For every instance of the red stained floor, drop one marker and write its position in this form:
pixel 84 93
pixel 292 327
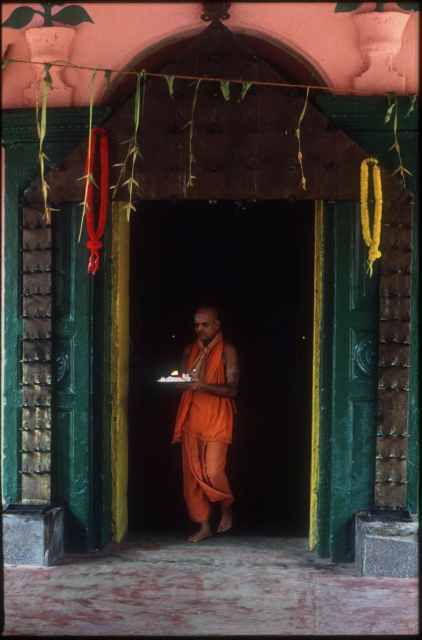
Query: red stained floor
pixel 229 585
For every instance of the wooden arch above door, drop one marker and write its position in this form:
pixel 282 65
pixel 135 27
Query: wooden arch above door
pixel 248 150
pixel 242 148
pixel 288 64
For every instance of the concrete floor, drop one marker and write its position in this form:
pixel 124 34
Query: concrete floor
pixel 228 585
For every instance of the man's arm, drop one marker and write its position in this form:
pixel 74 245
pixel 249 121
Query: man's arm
pixel 231 365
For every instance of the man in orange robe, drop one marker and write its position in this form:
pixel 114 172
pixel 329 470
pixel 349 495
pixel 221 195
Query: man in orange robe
pixel 204 422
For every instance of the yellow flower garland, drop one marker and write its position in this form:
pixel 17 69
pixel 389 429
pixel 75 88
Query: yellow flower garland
pixel 372 242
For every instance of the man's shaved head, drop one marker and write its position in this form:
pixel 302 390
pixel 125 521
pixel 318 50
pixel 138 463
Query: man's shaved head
pixel 206 323
pixel 209 309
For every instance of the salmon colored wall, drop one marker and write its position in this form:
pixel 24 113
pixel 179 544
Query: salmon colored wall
pixel 122 31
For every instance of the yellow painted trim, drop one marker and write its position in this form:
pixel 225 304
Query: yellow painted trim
pixel 119 369
pixel 318 280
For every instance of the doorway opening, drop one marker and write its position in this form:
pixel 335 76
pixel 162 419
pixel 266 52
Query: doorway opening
pixel 255 261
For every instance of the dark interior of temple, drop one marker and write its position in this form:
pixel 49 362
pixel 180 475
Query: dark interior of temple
pixel 254 260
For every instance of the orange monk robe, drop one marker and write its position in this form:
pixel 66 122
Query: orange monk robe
pixel 204 424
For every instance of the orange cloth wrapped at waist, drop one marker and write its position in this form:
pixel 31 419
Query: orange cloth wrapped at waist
pixel 205 415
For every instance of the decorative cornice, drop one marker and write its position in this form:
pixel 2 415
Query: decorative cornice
pixel 63 124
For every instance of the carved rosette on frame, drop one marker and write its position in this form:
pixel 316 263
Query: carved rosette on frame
pixel 36 358
pixel 394 356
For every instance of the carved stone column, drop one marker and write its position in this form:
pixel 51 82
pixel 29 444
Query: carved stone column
pixel 33 522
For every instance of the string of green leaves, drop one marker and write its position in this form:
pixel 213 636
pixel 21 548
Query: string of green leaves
pixel 298 136
pixel 393 113
pixel 41 122
pixel 133 149
pixel 191 159
pixel 89 178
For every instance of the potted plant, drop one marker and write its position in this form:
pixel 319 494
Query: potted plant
pixel 49 42
pixel 380 33
pixel 379 6
pixel 72 15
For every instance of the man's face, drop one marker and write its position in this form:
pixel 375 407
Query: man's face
pixel 206 325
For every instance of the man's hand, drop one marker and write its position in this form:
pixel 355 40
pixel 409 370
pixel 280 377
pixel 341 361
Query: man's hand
pixel 228 390
pixel 194 376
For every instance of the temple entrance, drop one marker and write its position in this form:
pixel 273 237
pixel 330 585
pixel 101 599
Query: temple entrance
pixel 255 261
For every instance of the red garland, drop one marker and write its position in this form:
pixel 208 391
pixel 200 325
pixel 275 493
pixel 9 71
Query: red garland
pixel 94 243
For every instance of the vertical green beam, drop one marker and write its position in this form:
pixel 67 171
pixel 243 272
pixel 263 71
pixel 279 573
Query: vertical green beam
pixel 316 382
pixel 82 491
pixel 20 168
pixel 324 485
pixel 12 333
pixel 342 435
pixel 65 128
pixel 102 401
pixel 413 495
pixel 73 437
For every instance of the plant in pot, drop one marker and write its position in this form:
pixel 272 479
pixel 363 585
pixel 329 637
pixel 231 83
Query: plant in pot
pixel 72 15
pixel 380 30
pixel 379 6
pixel 49 42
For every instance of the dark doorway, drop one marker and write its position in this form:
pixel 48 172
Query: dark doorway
pixel 255 261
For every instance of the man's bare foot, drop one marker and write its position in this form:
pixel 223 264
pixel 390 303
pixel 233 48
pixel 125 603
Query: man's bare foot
pixel 226 520
pixel 204 532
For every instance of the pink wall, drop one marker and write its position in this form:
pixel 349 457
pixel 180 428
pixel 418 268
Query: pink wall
pixel 122 31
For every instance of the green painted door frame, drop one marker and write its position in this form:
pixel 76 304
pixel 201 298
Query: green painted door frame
pixel 78 463
pixel 348 381
pixel 362 119
pixel 342 494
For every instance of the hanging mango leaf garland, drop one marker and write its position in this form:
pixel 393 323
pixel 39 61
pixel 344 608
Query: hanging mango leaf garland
pixel 89 178
pixel 392 112
pixel 245 88
pixel 191 177
pixel 411 106
pixel 298 134
pixel 133 151
pixel 170 85
pixel 41 120
pixel 225 89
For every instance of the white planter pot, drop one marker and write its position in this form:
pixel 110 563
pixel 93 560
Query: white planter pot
pixel 50 44
pixel 380 39
pixel 381 30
